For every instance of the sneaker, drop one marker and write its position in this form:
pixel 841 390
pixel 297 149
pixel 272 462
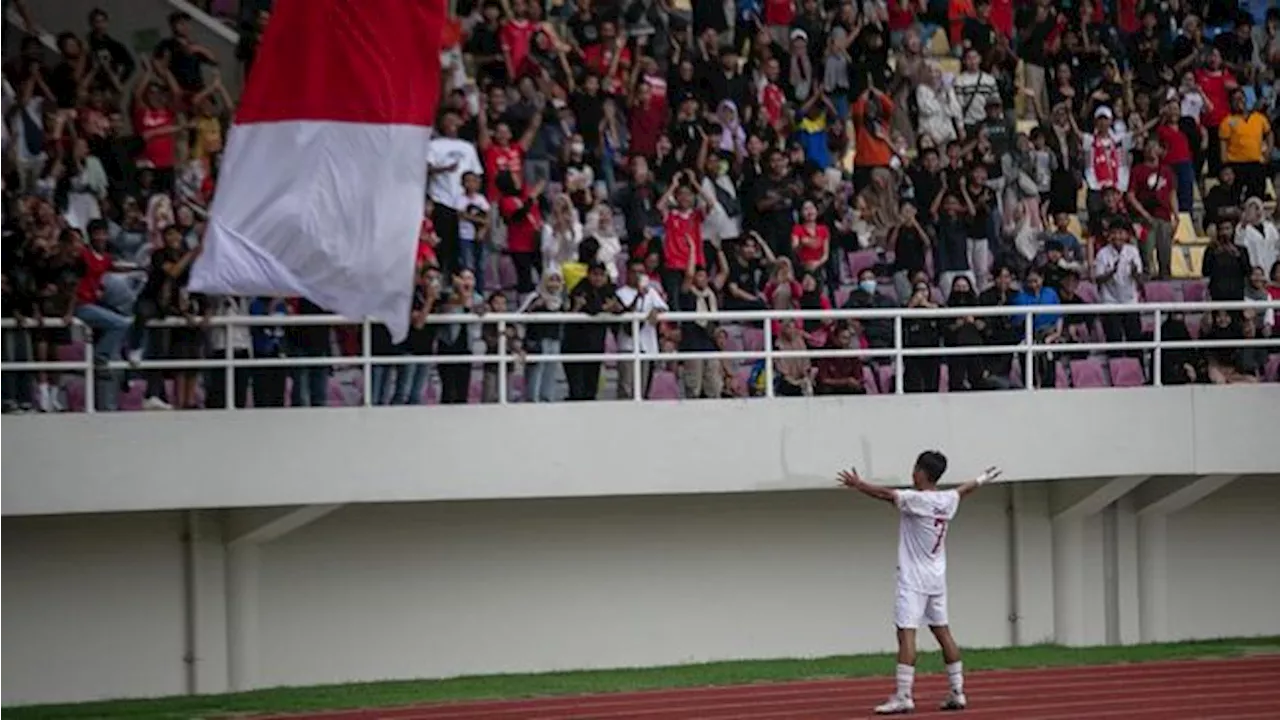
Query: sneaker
pixel 955 701
pixel 155 403
pixel 44 399
pixel 134 357
pixel 896 706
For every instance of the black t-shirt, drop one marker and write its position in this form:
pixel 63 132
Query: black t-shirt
pixel 184 64
pixel 588 110
pixel 747 275
pixel 979 35
pixel 926 187
pixel 585 30
pixel 909 254
pixel 775 223
pixel 984 201
pixel 62 81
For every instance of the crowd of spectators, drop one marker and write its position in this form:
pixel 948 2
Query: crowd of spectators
pixel 640 156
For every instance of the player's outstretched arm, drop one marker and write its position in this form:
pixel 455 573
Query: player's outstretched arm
pixel 849 478
pixel 987 476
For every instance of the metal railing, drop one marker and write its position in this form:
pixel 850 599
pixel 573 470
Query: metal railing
pixel 1027 348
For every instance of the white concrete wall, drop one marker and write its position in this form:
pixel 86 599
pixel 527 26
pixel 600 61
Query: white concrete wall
pixel 93 604
pixel 118 462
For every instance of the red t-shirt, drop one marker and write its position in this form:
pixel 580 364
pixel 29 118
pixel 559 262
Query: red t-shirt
pixel 516 36
pixel 522 235
pixel 810 246
pixel 498 159
pixel 1176 148
pixel 779 12
pixel 96 264
pixel 901 14
pixel 159 150
pixel 1214 85
pixel 646 125
pixel 679 227
pixel 599 57
pixel 772 100
pixel 1153 186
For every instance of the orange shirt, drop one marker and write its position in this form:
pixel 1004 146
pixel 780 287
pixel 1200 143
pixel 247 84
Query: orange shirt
pixel 872 151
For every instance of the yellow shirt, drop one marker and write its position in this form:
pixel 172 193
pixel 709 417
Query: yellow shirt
pixel 1241 137
pixel 573 273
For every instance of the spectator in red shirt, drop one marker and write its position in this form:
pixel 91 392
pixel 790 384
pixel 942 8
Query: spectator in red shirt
pixel 516 37
pixel 156 122
pixel 1152 197
pixel 109 326
pixel 519 209
pixel 610 58
pixel 500 154
pixel 811 242
pixel 682 230
pixel 1177 154
pixel 1216 83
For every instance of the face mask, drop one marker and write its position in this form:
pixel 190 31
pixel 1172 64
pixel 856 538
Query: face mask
pixel 868 286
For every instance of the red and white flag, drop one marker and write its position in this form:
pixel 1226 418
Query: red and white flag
pixel 323 183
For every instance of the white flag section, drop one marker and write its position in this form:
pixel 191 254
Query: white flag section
pixel 323 183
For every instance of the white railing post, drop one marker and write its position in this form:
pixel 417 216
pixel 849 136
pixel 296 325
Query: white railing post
pixel 90 372
pixel 1029 363
pixel 637 380
pixel 1157 356
pixel 502 362
pixel 228 354
pixel 768 358
pixel 366 354
pixel 899 362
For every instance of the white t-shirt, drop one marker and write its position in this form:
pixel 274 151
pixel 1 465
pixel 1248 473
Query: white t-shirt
pixel 445 188
pixel 1121 287
pixel 922 533
pixel 651 300
pixel 467 230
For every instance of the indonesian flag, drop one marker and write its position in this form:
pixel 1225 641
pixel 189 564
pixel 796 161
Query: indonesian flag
pixel 323 183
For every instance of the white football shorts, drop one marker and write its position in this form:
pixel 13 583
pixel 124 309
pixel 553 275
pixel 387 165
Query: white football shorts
pixel 912 606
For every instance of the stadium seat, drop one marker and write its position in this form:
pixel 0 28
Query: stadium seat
pixel 886 379
pixel 71 352
pixel 1272 371
pixel 944 378
pixel 1185 232
pixel 869 380
pixel 1188 261
pixel 861 260
pixel 1195 291
pixel 1126 372
pixel 1160 291
pixel 842 296
pixel 1088 373
pixel 664 386
pixel 940 48
pixel 752 339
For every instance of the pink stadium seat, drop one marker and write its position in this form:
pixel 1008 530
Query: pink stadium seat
pixel 740 378
pixel 885 376
pixel 1060 375
pixel 334 394
pixel 74 387
pixel 492 279
pixel 71 352
pixel 869 380
pixel 752 339
pixel 944 378
pixel 1088 373
pixel 664 386
pixel 1195 291
pixel 733 342
pixel 506 272
pixel 861 260
pixel 1088 292
pixel 131 399
pixel 1126 372
pixel 475 391
pixel 1272 372
pixel 842 296
pixel 1160 291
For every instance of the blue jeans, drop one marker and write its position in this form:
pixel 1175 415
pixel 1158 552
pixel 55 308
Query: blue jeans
pixel 310 384
pixel 17 385
pixel 109 329
pixel 1185 173
pixel 471 256
pixel 410 381
pixel 540 378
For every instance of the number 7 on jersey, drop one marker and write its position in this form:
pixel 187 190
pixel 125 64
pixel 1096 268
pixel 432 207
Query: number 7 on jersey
pixel 941 524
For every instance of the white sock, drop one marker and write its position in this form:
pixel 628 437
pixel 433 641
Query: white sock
pixel 906 678
pixel 955 673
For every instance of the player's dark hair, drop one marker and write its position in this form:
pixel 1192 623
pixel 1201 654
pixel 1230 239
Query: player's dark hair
pixel 933 464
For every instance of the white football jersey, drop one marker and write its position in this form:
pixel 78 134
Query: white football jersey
pixel 922 536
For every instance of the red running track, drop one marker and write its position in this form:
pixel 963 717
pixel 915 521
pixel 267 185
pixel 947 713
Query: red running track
pixel 1237 689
